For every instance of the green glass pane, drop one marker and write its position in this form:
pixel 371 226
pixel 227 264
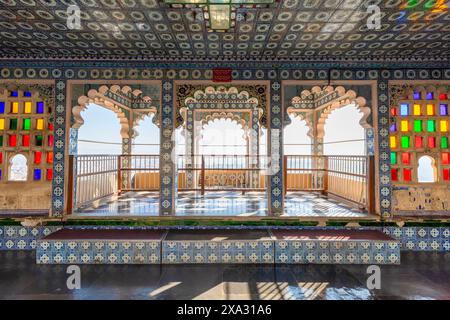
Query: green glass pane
pixel 26 124
pixel 405 142
pixel 418 125
pixel 1 141
pixel 39 140
pixel 431 125
pixel 393 158
pixel 444 142
pixel 13 124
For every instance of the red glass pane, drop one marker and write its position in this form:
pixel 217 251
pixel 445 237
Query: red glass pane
pixel 13 140
pixel 443 96
pixel 431 142
pixel 49 174
pixel 51 140
pixel 50 157
pixel 446 174
pixel 418 142
pixel 394 174
pixel 26 140
pixel 50 126
pixel 407 174
pixel 1 157
pixel 38 157
pixel 445 158
pixel 393 111
pixel 405 158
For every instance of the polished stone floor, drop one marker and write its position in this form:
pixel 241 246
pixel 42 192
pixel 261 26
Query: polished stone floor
pixel 222 203
pixel 421 275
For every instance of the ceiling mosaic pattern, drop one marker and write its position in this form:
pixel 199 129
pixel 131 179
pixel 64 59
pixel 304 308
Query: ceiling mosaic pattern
pixel 285 29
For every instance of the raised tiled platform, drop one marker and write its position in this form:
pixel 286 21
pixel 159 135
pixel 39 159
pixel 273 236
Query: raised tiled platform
pixel 218 246
pixel 335 247
pixel 205 246
pixel 101 247
pixel 23 238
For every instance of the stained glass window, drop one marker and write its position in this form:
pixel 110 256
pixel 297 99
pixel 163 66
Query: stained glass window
pixel 419 138
pixel 26 132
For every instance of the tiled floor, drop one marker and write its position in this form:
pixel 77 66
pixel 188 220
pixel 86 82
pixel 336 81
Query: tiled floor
pixel 310 204
pixel 222 203
pixel 420 276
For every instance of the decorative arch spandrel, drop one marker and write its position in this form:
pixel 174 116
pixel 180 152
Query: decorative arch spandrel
pixel 120 100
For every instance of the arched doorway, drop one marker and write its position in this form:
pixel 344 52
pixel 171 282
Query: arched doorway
pixel 115 154
pixel 327 171
pixel 220 171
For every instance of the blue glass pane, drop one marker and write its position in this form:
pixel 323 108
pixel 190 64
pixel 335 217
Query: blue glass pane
pixel 404 109
pixel 417 95
pixel 27 94
pixel 14 94
pixel 430 96
pixel 393 127
pixel 37 174
pixel 2 107
pixel 40 107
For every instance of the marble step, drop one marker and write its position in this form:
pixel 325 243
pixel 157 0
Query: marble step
pixel 227 246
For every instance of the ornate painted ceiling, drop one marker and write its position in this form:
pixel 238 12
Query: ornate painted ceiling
pixel 285 29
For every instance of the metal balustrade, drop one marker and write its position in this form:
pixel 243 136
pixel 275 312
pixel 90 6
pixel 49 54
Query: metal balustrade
pixel 94 177
pixel 347 177
pixel 222 172
pixel 138 173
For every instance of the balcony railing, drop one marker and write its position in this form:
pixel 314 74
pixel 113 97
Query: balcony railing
pixel 138 173
pixel 347 177
pixel 222 172
pixel 94 177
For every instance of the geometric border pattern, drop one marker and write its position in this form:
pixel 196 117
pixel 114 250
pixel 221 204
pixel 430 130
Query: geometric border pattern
pixel 411 238
pixel 98 252
pixel 337 252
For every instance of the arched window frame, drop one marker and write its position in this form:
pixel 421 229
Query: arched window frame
pixel 433 167
pixel 10 165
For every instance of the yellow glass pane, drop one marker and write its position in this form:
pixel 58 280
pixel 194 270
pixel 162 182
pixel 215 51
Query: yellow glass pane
pixel 404 126
pixel 417 111
pixel 393 142
pixel 430 109
pixel 444 126
pixel 40 124
pixel 2 124
pixel 15 107
pixel 27 107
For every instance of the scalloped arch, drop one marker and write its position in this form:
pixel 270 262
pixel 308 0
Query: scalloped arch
pixel 98 97
pixel 221 95
pixel 343 99
pixel 225 115
pixel 308 120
